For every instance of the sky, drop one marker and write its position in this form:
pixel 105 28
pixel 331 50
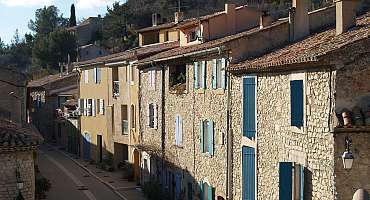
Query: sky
pixel 15 14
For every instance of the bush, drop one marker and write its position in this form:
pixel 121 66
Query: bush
pixel 153 191
pixel 42 185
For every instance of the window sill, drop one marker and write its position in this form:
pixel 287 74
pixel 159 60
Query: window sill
pixel 219 91
pixel 296 129
pixel 178 146
pixel 200 91
pixel 207 154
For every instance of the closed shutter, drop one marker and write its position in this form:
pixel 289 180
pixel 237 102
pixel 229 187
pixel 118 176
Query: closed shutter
pixel 178 185
pixel 190 191
pixel 201 133
pixel 211 137
pixel 296 102
pixel 196 81
pixel 285 180
pixel 93 107
pixel 94 75
pixel 101 106
pixel 223 73
pixel 214 74
pixel 98 75
pixel 249 107
pixel 89 107
pixel 204 77
pixel 155 116
pixel 248 173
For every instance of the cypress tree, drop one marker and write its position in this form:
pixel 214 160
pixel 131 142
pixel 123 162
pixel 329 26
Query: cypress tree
pixel 72 19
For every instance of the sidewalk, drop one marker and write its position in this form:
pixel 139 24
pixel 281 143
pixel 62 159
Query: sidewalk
pixel 126 190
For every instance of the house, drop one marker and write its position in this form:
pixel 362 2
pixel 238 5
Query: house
pixel 109 105
pixel 290 110
pixel 45 96
pixel 91 51
pixel 18 143
pixel 87 31
pixel 184 107
pixel 13 87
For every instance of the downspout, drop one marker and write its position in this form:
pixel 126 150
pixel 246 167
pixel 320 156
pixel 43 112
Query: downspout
pixel 229 172
pixel 163 116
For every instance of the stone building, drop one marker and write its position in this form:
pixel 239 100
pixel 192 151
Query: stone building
pixel 18 143
pixel 285 111
pixel 88 30
pixel 13 87
pixel 45 96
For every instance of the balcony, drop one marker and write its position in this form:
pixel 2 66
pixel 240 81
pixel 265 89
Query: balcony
pixel 115 88
pixel 124 127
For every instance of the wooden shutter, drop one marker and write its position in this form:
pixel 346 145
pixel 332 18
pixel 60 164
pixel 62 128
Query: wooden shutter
pixel 79 106
pixel 210 193
pixel 196 81
pixel 248 173
pixel 148 114
pixel 85 107
pixel 211 137
pixel 249 107
pixel 155 115
pixel 94 75
pixel 190 191
pixel 180 130
pixel 296 102
pixel 214 74
pixel 93 107
pixel 285 180
pixel 101 106
pixel 301 192
pixel 177 127
pixel 223 73
pixel 204 77
pixel 201 194
pixel 178 185
pixel 86 75
pixel 201 133
pixel 98 75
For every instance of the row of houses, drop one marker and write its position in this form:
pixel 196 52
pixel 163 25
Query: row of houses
pixel 236 104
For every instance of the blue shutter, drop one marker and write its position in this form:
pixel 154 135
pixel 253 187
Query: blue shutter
pixel 301 183
pixel 211 137
pixel 296 102
pixel 248 173
pixel 178 185
pixel 210 193
pixel 249 107
pixel 201 133
pixel 223 73
pixel 204 78
pixel 196 86
pixel 285 180
pixel 214 74
pixel 201 195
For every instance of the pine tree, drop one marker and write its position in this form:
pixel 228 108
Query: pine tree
pixel 72 19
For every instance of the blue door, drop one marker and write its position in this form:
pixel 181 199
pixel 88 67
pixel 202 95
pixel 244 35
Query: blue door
pixel 249 180
pixel 86 146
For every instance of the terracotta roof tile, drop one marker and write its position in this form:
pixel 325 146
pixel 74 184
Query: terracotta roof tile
pixel 158 27
pixel 49 79
pixel 309 49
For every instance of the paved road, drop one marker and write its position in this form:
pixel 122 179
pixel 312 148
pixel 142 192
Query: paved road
pixel 67 179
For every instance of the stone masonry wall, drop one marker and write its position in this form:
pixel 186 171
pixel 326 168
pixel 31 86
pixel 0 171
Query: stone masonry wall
pixel 278 141
pixel 9 162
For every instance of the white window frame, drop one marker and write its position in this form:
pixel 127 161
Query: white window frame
pixel 152 79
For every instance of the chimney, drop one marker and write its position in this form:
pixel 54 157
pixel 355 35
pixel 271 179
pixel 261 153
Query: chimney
pixel 156 19
pixel 265 20
pixel 231 17
pixel 345 15
pixel 179 16
pixel 299 26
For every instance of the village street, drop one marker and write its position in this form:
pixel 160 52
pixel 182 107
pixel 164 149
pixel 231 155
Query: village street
pixel 67 178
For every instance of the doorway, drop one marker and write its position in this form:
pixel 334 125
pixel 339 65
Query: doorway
pixel 100 148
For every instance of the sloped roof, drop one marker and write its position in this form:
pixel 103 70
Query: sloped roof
pixel 310 49
pixel 136 53
pixel 49 79
pixel 158 27
pixel 14 136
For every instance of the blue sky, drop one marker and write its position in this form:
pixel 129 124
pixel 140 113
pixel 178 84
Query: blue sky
pixel 15 14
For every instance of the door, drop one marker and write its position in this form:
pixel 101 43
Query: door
pixel 86 146
pixel 249 180
pixel 136 166
pixel 100 148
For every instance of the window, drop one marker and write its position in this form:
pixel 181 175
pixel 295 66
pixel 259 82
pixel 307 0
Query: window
pixel 218 73
pixel 81 106
pixel 89 107
pixel 86 75
pixel 115 83
pixel 249 107
pixel 152 115
pixel 100 106
pixel 200 75
pixel 97 75
pixel 152 80
pixel 177 79
pixel 248 173
pixel 178 130
pixel 124 119
pixel 207 192
pixel 291 181
pixel 296 102
pixel 166 36
pixel 193 35
pixel 207 137
pixel 132 75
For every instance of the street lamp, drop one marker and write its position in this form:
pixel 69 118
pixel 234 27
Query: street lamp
pixel 347 156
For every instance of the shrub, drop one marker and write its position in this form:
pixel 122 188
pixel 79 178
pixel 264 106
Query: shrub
pixel 153 190
pixel 42 185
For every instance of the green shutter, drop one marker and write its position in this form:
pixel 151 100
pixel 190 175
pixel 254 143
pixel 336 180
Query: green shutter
pixel 201 133
pixel 196 86
pixel 214 74
pixel 204 77
pixel 211 137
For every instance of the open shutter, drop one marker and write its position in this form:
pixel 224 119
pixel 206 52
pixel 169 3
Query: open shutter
pixel 98 75
pixel 211 137
pixel 85 107
pixel 201 133
pixel 94 75
pixel 180 130
pixel 223 73
pixel 148 114
pixel 93 107
pixel 177 130
pixel 196 81
pixel 201 194
pixel 285 180
pixel 248 173
pixel 210 193
pixel 79 106
pixel 155 116
pixel 296 102
pixel 214 74
pixel 101 106
pixel 301 182
pixel 86 75
pixel 249 107
pixel 204 78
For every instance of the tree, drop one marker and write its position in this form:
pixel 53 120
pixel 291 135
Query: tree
pixel 72 19
pixel 47 19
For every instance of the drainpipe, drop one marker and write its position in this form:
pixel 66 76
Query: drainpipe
pixel 229 173
pixel 163 116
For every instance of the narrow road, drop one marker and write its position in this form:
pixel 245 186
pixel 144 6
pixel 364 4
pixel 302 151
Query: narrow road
pixel 69 181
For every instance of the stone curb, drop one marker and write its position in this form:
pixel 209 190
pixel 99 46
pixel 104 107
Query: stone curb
pixel 111 187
